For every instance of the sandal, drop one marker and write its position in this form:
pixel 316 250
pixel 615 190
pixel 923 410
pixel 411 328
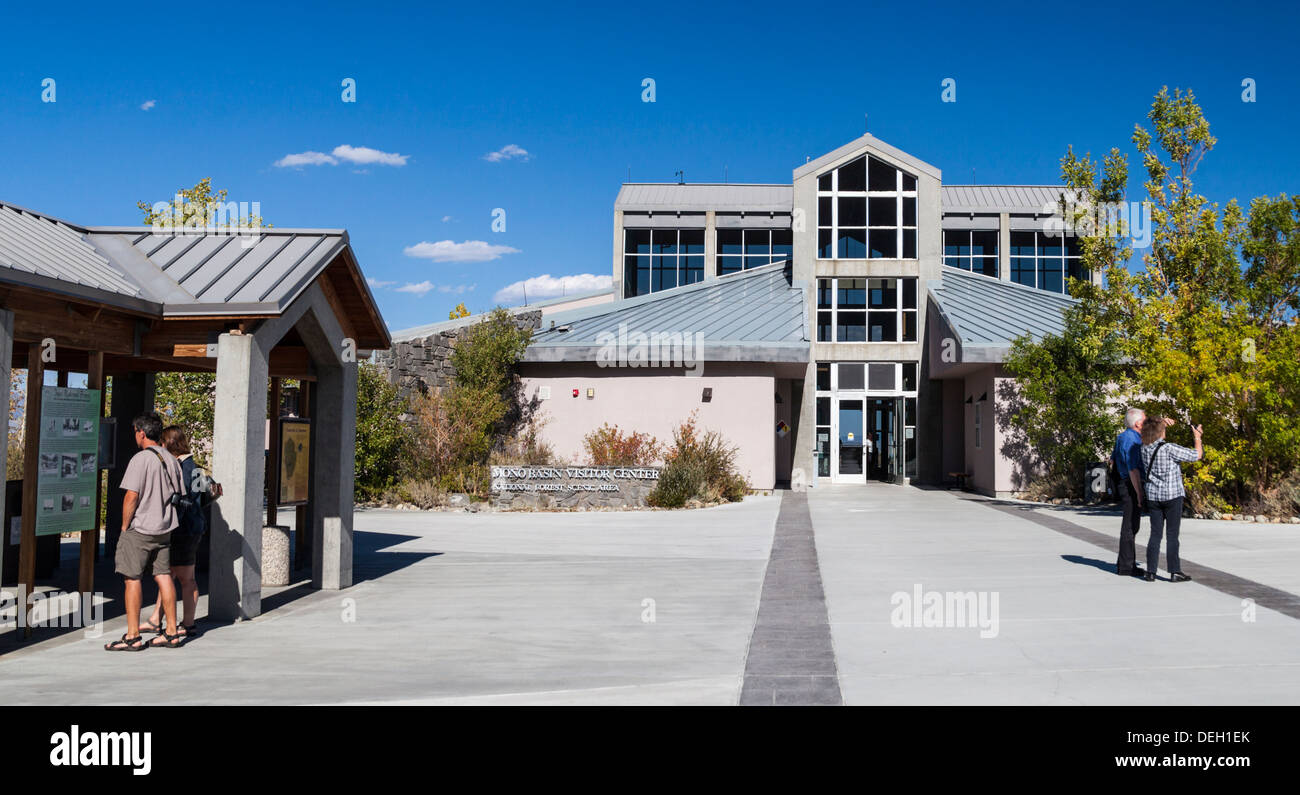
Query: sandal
pixel 168 641
pixel 192 631
pixel 126 644
pixel 150 626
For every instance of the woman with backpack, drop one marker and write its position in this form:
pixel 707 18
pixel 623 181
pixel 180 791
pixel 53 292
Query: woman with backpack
pixel 200 491
pixel 1164 492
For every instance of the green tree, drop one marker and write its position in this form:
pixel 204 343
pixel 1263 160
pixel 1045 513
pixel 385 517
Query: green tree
pixel 201 206
pixel 382 439
pixel 459 312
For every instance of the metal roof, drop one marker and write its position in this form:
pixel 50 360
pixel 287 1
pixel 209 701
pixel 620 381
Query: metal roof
pixel 1001 198
pixel 39 246
pixel 868 143
pixel 985 311
pixel 429 329
pixel 261 272
pixel 187 273
pixel 652 197
pixel 754 315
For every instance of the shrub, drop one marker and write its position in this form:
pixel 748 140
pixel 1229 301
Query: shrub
pixel 700 465
pixel 420 493
pixel 609 446
pixel 382 439
pixel 679 481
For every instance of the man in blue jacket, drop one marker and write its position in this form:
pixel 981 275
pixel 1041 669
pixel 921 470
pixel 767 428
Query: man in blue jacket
pixel 1127 462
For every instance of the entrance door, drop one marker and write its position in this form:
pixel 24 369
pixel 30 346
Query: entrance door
pixel 885 431
pixel 850 465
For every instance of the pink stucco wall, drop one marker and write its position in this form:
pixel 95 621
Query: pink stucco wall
pixel 742 408
pixel 991 471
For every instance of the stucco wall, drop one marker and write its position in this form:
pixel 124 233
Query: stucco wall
pixel 742 408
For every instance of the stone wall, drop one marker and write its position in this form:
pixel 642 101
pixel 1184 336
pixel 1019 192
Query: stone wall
pixel 518 487
pixel 419 365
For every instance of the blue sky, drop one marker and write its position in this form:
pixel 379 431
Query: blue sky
pixel 753 89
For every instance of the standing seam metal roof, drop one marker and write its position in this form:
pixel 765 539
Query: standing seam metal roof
pixel 1001 198
pixel 758 306
pixel 652 197
pixel 988 311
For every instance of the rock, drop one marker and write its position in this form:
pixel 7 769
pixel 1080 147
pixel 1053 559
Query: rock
pixel 458 500
pixel 1227 516
pixel 1247 518
pixel 1214 515
pixel 1295 520
pixel 1261 518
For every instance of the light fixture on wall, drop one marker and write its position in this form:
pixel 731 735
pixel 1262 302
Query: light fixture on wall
pixel 984 397
pixel 970 399
pixel 575 392
pixel 591 393
pixel 707 397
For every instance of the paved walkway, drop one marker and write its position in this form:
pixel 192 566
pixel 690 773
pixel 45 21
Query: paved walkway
pixel 793 598
pixel 1069 631
pixel 790 656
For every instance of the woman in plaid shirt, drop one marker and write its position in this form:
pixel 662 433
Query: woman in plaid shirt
pixel 1164 491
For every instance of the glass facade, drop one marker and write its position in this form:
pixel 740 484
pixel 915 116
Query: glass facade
pixel 1044 261
pixel 742 249
pixel 974 250
pixel 866 310
pixel 857 401
pixel 659 259
pixel 866 209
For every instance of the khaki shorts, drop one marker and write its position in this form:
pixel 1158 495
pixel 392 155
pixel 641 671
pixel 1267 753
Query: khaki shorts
pixel 139 554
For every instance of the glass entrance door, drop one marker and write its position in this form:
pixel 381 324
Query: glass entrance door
pixel 885 439
pixel 850 447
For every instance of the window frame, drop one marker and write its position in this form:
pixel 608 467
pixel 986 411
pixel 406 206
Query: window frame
pixel 681 258
pixel 867 195
pixel 830 285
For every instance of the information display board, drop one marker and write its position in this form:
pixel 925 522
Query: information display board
pixel 69 468
pixel 295 461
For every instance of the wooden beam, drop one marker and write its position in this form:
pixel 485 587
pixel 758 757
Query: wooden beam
pixel 31 472
pixel 336 306
pixel 302 542
pixel 38 316
pixel 90 538
pixel 273 454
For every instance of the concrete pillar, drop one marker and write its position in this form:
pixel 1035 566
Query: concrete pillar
pixel 1004 247
pixel 334 428
pixel 618 255
pixel 6 369
pixel 239 465
pixel 710 245
pixel 133 394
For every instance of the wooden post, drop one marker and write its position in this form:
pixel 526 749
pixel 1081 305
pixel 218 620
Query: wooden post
pixel 90 538
pixel 31 472
pixel 303 531
pixel 273 457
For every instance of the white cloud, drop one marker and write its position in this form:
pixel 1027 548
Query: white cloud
pixel 459 289
pixel 450 251
pixel 378 285
pixel 419 288
pixel 446 218
pixel 548 286
pixel 149 104
pixel 507 152
pixel 365 155
pixel 305 159
pixel 357 155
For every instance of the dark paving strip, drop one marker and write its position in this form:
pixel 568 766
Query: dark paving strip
pixel 1283 602
pixel 791 661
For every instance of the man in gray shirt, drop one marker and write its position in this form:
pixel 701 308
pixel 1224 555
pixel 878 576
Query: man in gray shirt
pixel 148 518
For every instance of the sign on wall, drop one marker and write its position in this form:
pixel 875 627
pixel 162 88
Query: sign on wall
pixel 68 475
pixel 295 461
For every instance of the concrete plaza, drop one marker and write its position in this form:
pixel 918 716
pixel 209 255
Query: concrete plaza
pixel 700 607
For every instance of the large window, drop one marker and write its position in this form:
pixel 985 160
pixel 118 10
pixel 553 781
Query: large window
pixel 742 249
pixel 1043 261
pixel 866 310
pixel 971 250
pixel 866 210
pixel 657 259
